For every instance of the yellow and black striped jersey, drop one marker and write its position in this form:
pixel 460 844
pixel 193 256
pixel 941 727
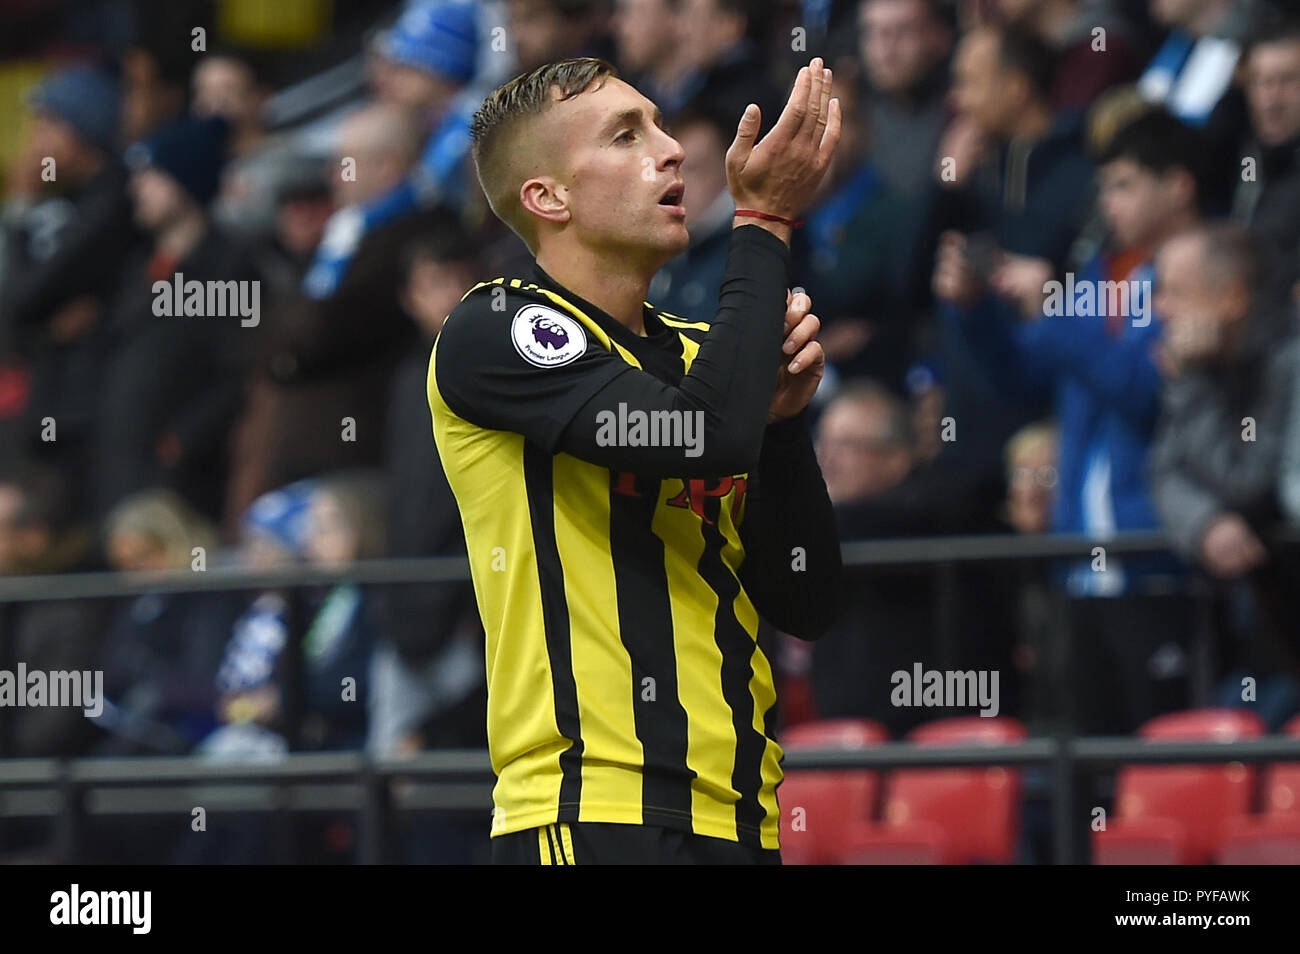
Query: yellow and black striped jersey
pixel 617 556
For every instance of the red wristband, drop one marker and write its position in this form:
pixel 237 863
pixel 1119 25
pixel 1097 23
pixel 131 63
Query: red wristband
pixel 793 223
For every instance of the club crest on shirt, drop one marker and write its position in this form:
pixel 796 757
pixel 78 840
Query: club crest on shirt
pixel 547 338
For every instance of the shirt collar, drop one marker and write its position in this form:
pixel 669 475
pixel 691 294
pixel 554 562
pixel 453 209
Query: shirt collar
pixel 611 325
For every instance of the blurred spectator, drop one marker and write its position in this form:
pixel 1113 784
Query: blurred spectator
pixel 162 649
pixel 318 397
pixel 428 674
pixel 302 206
pixel 1230 355
pixel 926 395
pixel 866 449
pixel 1088 62
pixel 1008 162
pixel 1014 178
pixel 272 534
pixel 345 523
pixel 647 53
pixel 1041 656
pixel 155 73
pixel 1032 478
pixel 228 85
pixel 328 523
pixel 67 233
pixel 38 534
pixel 424 64
pixel 722 61
pixel 173 374
pixel 1268 170
pixel 688 286
pixel 542 31
pixel 904 46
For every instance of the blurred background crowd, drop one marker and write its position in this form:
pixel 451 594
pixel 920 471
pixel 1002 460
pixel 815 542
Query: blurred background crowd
pixel 321 149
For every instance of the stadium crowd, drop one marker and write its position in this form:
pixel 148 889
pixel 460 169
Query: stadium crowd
pixel 1056 263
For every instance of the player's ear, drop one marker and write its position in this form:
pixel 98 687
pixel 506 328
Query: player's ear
pixel 541 197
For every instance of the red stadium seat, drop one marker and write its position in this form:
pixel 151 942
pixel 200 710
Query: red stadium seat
pixel 831 800
pixel 1273 836
pixel 1177 814
pixel 1272 839
pixel 947 816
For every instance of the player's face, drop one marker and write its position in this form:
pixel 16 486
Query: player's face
pixel 623 183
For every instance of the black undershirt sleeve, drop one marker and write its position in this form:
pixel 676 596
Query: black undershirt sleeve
pixel 792 569
pixel 729 386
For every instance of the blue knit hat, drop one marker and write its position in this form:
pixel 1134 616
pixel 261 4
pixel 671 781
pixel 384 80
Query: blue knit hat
pixel 191 150
pixel 85 99
pixel 437 37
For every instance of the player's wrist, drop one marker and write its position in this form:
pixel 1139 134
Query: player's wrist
pixel 779 229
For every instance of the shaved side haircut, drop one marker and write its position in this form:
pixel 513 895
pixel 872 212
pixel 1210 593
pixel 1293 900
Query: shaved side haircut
pixel 507 151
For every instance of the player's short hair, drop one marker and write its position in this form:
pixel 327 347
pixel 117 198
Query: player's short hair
pixel 499 128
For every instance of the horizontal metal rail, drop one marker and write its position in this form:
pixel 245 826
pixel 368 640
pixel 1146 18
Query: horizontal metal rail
pixel 474 764
pixel 856 553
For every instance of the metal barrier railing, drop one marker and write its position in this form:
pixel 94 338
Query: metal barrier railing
pixel 460 781
pixel 933 551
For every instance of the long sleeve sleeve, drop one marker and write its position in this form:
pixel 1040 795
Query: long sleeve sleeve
pixel 730 384
pixel 792 569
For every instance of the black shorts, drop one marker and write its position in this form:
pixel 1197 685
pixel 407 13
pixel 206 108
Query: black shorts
pixel 601 843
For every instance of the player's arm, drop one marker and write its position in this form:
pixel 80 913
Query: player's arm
pixel 573 404
pixel 792 569
pixel 726 394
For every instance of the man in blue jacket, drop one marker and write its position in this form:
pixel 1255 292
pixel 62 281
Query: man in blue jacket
pixel 1087 343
